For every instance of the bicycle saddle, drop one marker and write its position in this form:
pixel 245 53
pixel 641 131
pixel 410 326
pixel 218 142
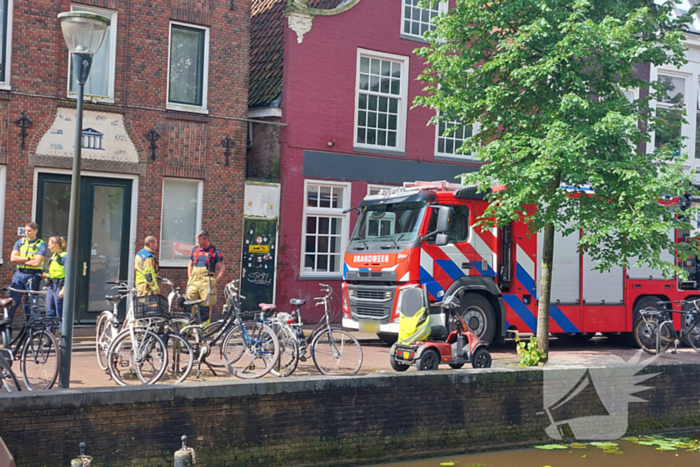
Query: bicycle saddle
pixel 193 302
pixel 297 301
pixel 267 306
pixel 6 302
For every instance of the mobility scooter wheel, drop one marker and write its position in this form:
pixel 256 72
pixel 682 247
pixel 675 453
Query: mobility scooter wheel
pixel 481 358
pixel 396 365
pixel 429 360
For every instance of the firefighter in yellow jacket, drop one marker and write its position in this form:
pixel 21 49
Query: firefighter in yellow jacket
pixel 146 265
pixel 206 267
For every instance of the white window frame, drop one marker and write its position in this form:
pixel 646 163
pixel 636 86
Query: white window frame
pixel 5 85
pixel 403 102
pixel 456 157
pixel 328 212
pixel 198 218
pixel 205 72
pixel 112 14
pixel 442 8
pixel 690 97
pixel 375 186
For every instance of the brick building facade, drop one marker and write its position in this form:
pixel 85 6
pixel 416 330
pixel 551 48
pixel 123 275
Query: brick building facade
pixel 168 86
pixel 309 61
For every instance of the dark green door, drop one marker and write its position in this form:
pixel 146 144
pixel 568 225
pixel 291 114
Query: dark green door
pixel 258 262
pixel 105 212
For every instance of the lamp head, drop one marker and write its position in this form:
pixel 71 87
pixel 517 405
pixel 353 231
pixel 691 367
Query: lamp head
pixel 83 32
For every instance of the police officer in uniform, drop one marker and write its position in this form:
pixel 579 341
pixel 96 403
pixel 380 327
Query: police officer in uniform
pixel 206 267
pixel 56 277
pixel 28 254
pixel 146 265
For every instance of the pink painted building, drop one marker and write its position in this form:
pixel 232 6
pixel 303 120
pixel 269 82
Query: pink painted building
pixel 333 94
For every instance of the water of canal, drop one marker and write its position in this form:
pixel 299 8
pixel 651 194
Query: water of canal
pixel 633 455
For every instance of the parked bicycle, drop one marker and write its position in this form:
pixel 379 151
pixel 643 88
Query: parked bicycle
pixel 334 351
pixel 148 349
pixel 655 332
pixel 248 348
pixel 34 346
pixel 108 325
pixel 8 379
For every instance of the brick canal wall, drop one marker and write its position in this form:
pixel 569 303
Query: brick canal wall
pixel 324 421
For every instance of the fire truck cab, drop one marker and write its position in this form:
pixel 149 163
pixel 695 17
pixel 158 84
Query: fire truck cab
pixel 422 236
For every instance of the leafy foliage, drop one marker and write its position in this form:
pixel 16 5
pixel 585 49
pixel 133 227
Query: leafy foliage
pixel 529 353
pixel 545 80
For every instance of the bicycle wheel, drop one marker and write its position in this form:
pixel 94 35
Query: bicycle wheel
pixel 180 358
pixel 103 337
pixel 8 380
pixel 645 332
pixel 142 361
pixel 289 351
pixel 692 338
pixel 336 352
pixel 250 351
pixel 40 360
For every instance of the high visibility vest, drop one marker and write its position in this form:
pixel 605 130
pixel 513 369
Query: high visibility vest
pixel 140 276
pixel 29 250
pixel 56 269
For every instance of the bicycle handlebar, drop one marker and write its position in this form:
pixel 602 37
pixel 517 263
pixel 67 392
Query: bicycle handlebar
pixel 25 291
pixel 117 283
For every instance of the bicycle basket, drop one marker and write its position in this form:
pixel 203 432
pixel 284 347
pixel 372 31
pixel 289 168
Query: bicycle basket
pixel 151 306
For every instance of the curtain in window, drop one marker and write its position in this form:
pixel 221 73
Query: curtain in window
pixel 186 65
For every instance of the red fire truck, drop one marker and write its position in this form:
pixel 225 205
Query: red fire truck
pixel 402 240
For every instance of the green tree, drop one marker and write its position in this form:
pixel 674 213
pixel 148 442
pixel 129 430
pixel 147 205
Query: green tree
pixel 546 80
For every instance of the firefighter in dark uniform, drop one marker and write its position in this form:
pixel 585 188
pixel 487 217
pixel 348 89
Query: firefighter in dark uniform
pixel 206 267
pixel 28 254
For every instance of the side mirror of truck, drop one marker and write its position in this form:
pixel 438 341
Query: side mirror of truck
pixel 442 239
pixel 444 221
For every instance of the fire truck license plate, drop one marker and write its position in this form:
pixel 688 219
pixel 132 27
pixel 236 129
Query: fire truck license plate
pixel 369 326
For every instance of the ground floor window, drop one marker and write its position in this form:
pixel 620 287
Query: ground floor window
pixel 181 220
pixel 325 227
pixel 3 171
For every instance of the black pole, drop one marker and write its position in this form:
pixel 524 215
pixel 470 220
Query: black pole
pixel 81 70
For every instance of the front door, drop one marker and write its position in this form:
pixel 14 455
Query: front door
pixel 105 212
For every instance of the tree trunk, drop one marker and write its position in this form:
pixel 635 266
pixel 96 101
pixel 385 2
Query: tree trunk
pixel 544 291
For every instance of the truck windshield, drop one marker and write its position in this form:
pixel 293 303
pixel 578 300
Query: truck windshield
pixel 398 222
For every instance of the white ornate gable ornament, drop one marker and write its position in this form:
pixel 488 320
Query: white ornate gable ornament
pixel 300 16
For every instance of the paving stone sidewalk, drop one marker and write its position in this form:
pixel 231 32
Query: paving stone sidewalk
pixel 599 350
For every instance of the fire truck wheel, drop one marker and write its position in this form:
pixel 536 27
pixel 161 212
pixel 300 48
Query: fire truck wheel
pixel 430 360
pixel 478 315
pixel 396 365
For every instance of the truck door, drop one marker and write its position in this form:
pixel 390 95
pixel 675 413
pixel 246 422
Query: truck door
pixel 466 254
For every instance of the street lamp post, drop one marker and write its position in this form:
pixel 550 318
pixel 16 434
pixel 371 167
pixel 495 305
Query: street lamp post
pixel 84 33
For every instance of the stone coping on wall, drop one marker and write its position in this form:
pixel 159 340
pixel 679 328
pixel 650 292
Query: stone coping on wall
pixel 58 398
